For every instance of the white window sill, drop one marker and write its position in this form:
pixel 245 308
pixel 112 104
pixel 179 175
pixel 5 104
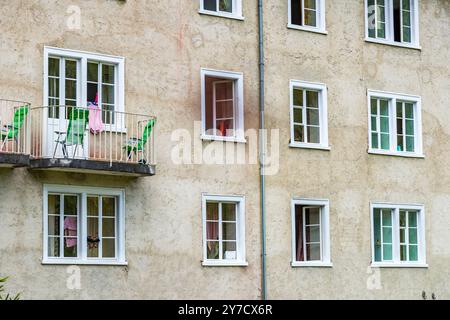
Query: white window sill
pixel 318 264
pixel 226 139
pixel 398 265
pixel 222 15
pixel 309 29
pixel 309 146
pixel 93 262
pixel 224 263
pixel 396 154
pixel 393 43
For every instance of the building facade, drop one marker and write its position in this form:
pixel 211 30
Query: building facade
pixel 129 161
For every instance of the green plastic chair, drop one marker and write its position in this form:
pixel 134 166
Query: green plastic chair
pixel 74 136
pixel 135 145
pixel 11 132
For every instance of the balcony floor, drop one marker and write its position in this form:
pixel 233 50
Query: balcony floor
pixel 13 160
pixel 93 166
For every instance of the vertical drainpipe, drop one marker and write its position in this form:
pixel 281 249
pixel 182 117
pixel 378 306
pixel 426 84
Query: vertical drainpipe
pixel 262 150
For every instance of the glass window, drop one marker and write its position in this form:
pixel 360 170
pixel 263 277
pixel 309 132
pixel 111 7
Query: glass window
pixel 307 13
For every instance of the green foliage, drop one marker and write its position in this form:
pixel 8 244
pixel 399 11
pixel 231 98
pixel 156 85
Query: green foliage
pixel 7 296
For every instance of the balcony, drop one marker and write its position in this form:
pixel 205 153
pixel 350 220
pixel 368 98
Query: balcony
pixel 14 134
pixel 91 140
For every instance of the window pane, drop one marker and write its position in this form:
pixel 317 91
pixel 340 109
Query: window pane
pixel 224 109
pixel 384 108
pixel 108 248
pixel 312 234
pixel 400 146
pixel 108 94
pixel 310 18
pixel 299 134
pixel 70 236
pixel 212 231
pixel 53 89
pixel 312 252
pixel 410 144
pixel 70 205
pixel 387 221
pixel 53 246
pixel 384 124
pixel 373 106
pixel 409 127
pixel 413 253
pixel 53 67
pixel 400 126
pixel 381 33
pixel 310 4
pixel 406 18
pixel 71 69
pixel 229 250
pixel 385 144
pixel 312 99
pixel 403 218
pixel 377 233
pixel 212 211
pixel 210 5
pixel 402 235
pixel 224 90
pixel 387 234
pixel 406 34
pixel 53 204
pixel 228 212
pixel 109 227
pixel 92 206
pixel 92 69
pixel 313 135
pixel 412 235
pixel 212 250
pixel 312 216
pixel 71 89
pixel 403 253
pixel 373 123
pixel 108 207
pixel 298 115
pixel 298 97
pixel 108 74
pixel 226 5
pixel 228 231
pixel 375 140
pixel 412 219
pixel 387 252
pixel 406 5
pixel 225 127
pixel 409 110
pixel 92 237
pixel 312 116
pixel 53 225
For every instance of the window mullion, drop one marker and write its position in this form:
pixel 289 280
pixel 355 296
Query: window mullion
pixel 392 124
pixel 381 234
pixel 404 126
pixel 214 110
pixel 304 233
pixel 379 123
pixel 396 235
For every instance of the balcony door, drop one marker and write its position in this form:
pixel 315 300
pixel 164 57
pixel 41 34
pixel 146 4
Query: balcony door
pixel 64 94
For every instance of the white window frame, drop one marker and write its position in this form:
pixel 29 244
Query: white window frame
pixel 389 40
pixel 83 58
pixel 240 260
pixel 396 262
pixel 320 18
pixel 83 259
pixel 323 114
pixel 236 14
pixel 325 232
pixel 238 78
pixel 392 100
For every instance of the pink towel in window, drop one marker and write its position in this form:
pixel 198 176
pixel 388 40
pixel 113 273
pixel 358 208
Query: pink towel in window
pixel 70 229
pixel 95 118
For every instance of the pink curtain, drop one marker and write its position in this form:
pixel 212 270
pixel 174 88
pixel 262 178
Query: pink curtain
pixel 299 233
pixel 212 228
pixel 70 229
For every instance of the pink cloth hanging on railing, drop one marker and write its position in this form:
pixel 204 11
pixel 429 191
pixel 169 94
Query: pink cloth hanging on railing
pixel 95 118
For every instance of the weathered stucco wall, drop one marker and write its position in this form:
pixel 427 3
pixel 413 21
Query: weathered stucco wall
pixel 347 175
pixel 165 44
